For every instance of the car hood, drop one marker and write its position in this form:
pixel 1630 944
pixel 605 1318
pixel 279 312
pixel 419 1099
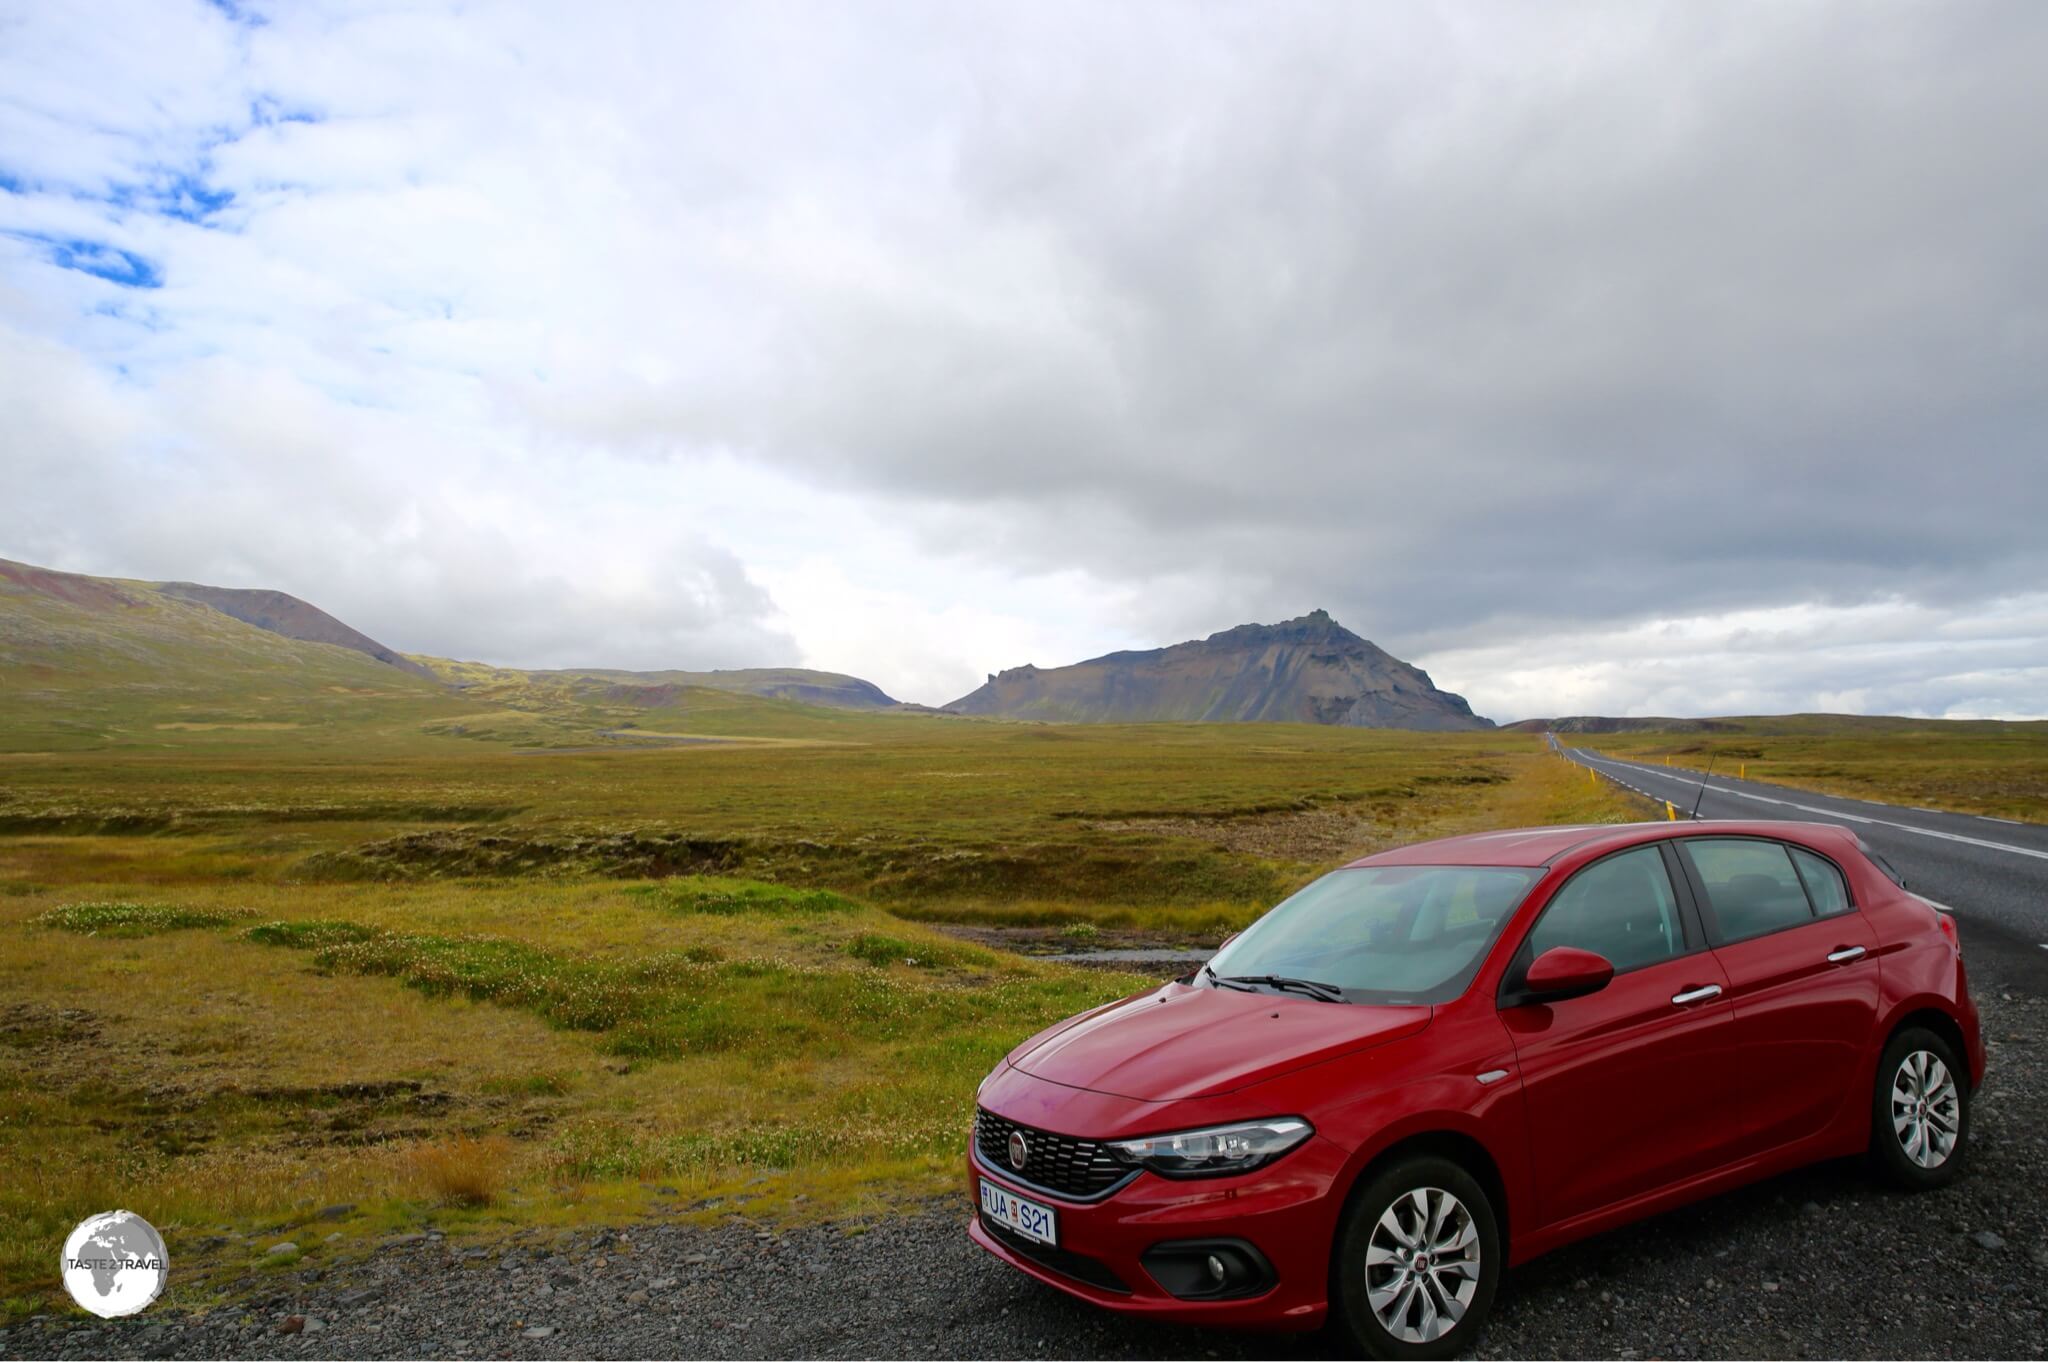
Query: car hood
pixel 1182 1041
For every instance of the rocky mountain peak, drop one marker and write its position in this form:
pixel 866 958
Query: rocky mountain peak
pixel 1309 669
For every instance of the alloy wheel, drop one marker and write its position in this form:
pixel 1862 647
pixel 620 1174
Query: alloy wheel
pixel 1927 1113
pixel 1422 1265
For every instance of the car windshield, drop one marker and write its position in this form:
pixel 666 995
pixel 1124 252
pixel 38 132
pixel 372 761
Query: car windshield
pixel 1382 934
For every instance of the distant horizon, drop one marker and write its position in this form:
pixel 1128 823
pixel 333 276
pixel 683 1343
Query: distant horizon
pixel 858 675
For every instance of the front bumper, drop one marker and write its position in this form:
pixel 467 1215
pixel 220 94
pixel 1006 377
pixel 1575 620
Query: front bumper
pixel 1283 1211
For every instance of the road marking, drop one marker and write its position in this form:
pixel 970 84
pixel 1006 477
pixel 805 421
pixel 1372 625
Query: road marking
pixel 2010 822
pixel 1881 822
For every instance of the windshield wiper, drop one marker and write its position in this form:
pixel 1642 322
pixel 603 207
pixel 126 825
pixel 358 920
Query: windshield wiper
pixel 1326 993
pixel 1222 982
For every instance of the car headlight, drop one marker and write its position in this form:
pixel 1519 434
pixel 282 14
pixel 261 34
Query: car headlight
pixel 1214 1151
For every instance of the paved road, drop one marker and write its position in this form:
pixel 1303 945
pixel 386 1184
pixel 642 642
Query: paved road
pixel 1993 873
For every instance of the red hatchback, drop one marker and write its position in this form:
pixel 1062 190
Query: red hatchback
pixel 1440 1061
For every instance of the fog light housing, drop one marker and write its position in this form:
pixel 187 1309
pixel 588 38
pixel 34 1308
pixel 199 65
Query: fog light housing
pixel 1209 1269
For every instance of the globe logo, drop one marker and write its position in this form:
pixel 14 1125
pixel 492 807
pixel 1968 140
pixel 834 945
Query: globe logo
pixel 115 1264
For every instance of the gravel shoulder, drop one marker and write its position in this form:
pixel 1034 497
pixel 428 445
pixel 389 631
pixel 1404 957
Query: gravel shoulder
pixel 1818 1263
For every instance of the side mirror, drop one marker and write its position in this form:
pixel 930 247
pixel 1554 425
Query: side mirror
pixel 1565 972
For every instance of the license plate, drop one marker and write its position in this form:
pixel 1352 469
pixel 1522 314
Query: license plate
pixel 1013 1212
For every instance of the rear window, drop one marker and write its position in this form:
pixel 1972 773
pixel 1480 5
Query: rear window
pixel 1751 885
pixel 1824 884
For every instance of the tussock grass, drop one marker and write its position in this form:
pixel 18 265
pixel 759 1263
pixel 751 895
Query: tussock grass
pixel 690 1001
pixel 726 897
pixel 882 950
pixel 596 1151
pixel 464 1171
pixel 311 934
pixel 135 919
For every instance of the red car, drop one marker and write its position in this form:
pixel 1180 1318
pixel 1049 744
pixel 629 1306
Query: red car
pixel 1441 1061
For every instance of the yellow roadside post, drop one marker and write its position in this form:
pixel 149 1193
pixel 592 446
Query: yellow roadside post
pixel 1671 811
pixel 1742 771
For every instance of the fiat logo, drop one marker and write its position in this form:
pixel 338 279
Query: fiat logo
pixel 1020 1150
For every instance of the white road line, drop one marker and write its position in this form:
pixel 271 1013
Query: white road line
pixel 2010 822
pixel 1882 822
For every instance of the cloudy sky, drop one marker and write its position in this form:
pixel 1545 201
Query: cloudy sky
pixel 1622 359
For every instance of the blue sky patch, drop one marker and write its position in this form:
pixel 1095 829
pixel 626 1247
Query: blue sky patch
pixel 98 259
pixel 266 110
pixel 181 194
pixel 239 13
pixel 187 197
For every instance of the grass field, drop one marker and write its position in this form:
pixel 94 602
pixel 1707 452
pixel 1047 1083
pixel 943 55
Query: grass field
pixel 249 978
pixel 1990 766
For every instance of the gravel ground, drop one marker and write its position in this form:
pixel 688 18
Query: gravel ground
pixel 1818 1263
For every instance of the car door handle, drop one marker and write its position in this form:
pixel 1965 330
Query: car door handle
pixel 1844 955
pixel 1696 995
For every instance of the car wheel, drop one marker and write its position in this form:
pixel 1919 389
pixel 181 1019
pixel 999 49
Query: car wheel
pixel 1920 1112
pixel 1418 1257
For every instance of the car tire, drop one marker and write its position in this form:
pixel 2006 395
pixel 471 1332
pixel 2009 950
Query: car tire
pixel 1383 1305
pixel 1919 1111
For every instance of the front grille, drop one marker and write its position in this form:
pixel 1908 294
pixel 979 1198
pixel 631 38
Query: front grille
pixel 1081 1169
pixel 1067 1263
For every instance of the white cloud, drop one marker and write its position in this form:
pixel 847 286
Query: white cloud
pixel 1887 657
pixel 1609 357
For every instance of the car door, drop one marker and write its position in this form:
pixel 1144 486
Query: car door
pixel 1802 978
pixel 1627 1089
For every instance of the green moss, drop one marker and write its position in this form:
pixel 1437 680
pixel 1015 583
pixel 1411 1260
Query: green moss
pixel 303 934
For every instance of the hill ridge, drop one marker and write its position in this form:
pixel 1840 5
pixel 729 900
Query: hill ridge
pixel 280 612
pixel 1309 669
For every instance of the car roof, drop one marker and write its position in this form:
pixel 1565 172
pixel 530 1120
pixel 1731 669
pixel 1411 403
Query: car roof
pixel 1542 846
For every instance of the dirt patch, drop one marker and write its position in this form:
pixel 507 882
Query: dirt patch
pixel 435 855
pixel 888 872
pixel 34 1028
pixel 1047 941
pixel 623 741
pixel 1307 835
pixel 250 727
pixel 74 822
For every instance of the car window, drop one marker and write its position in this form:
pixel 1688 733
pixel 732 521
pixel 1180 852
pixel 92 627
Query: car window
pixel 1621 908
pixel 1384 934
pixel 1824 884
pixel 1750 885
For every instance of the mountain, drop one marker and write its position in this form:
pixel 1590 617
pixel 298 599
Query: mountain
pixel 1596 724
pixel 1308 670
pixel 93 662
pixel 288 615
pixel 99 661
pixel 830 689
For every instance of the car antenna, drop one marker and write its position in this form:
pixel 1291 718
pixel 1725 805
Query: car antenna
pixel 1703 788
